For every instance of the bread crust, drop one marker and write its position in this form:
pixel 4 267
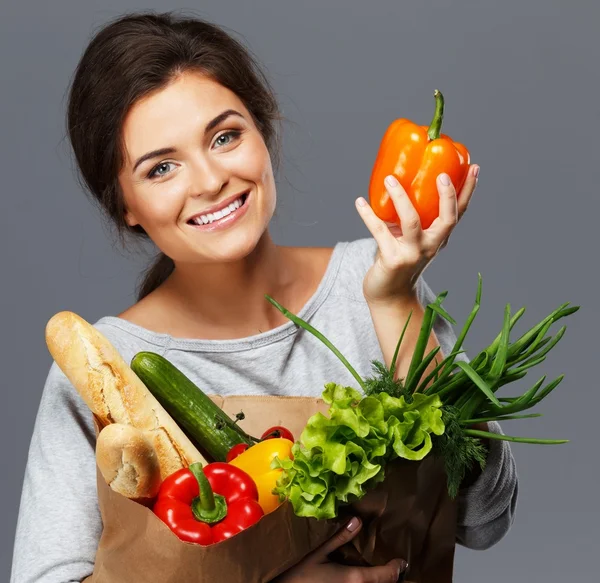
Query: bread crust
pixel 128 461
pixel 113 392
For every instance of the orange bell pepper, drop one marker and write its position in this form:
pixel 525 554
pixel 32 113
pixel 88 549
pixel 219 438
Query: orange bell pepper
pixel 416 155
pixel 256 461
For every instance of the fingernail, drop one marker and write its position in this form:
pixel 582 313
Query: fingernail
pixel 353 524
pixel 403 570
pixel 476 171
pixel 445 179
pixel 391 181
pixel 361 201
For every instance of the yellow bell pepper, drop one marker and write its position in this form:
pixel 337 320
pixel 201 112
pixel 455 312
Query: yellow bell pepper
pixel 256 461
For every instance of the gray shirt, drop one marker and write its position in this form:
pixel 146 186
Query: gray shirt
pixel 59 523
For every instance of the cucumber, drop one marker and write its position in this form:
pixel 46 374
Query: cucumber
pixel 205 422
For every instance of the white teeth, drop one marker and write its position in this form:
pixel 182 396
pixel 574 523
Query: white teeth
pixel 210 217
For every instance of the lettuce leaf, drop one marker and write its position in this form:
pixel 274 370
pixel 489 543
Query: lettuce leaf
pixel 341 456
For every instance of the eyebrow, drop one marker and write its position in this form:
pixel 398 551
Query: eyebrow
pixel 169 150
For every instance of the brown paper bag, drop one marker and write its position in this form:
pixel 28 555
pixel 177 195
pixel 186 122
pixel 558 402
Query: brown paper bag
pixel 409 515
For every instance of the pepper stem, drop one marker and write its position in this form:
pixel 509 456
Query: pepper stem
pixel 436 124
pixel 207 507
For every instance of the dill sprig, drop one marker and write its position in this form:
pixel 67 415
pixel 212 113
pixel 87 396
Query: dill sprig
pixel 383 381
pixel 459 451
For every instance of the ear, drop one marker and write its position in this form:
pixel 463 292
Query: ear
pixel 130 219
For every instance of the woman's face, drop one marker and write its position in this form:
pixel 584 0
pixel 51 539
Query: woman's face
pixel 193 150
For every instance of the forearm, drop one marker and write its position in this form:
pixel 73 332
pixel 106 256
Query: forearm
pixel 389 321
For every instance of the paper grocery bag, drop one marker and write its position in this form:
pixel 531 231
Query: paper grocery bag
pixel 409 515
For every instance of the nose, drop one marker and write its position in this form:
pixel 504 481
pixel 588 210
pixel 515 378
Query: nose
pixel 208 177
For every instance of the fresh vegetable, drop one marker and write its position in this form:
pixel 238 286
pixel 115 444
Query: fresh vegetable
pixel 271 433
pixel 204 421
pixel 208 505
pixel 340 457
pixel 236 450
pixel 277 431
pixel 416 155
pixel 256 461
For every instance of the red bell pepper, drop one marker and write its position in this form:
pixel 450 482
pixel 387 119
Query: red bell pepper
pixel 210 504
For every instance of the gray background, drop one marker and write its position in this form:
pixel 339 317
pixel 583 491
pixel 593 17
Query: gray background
pixel 521 84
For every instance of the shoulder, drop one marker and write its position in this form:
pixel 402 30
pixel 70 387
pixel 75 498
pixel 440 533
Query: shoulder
pixel 358 255
pixel 361 251
pixel 129 338
pixel 356 258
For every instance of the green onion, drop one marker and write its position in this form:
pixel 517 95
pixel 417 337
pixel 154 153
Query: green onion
pixel 466 390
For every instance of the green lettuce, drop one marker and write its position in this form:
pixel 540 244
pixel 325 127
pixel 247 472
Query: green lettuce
pixel 341 456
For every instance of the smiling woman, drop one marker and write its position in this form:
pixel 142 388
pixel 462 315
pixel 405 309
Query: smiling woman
pixel 175 132
pixel 173 87
pixel 218 170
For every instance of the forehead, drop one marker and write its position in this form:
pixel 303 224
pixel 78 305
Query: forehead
pixel 184 106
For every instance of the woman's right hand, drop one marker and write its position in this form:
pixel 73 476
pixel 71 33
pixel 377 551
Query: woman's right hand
pixel 316 567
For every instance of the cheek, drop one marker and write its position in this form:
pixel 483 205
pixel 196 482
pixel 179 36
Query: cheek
pixel 270 189
pixel 260 163
pixel 159 207
pixel 254 161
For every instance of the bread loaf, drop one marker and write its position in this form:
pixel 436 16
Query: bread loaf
pixel 128 462
pixel 113 392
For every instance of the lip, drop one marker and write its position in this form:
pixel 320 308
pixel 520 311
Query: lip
pixel 219 206
pixel 228 220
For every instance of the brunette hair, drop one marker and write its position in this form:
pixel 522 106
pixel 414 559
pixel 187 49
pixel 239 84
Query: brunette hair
pixel 130 57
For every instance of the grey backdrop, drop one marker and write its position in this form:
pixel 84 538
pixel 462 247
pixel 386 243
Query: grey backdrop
pixel 521 84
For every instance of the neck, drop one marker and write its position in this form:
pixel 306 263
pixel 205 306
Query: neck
pixel 230 296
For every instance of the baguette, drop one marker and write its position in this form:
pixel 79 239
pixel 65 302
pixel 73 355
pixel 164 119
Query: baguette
pixel 128 462
pixel 113 392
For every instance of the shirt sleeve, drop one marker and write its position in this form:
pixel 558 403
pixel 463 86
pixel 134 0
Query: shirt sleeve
pixel 59 523
pixel 486 508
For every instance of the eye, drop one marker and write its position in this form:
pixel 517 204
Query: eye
pixel 228 137
pixel 155 171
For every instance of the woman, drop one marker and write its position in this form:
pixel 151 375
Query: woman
pixel 174 129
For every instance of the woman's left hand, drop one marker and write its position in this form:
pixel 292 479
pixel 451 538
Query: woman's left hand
pixel 405 251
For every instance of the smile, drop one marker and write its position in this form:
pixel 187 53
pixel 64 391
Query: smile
pixel 223 217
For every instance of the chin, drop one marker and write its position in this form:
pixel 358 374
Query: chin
pixel 233 246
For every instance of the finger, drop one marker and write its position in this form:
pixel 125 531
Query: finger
pixel 409 217
pixel 440 229
pixel 395 229
pixel 341 537
pixel 387 573
pixel 466 192
pixel 443 223
pixel 448 214
pixel 381 232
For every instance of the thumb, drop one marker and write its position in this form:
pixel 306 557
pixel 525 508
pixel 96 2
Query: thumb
pixel 341 537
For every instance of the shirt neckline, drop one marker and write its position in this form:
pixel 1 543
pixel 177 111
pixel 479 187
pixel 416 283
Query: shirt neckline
pixel 238 344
